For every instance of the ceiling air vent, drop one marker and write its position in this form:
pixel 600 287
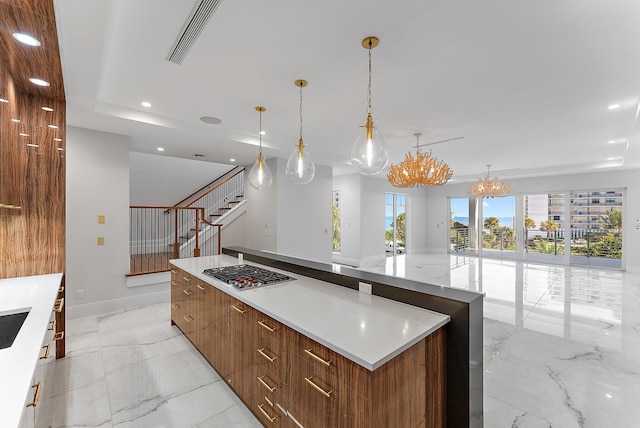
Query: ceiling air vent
pixel 191 29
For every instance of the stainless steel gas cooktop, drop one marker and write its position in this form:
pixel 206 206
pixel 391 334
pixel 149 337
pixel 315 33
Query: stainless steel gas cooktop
pixel 244 277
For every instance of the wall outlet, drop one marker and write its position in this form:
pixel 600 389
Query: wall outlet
pixel 79 294
pixel 364 287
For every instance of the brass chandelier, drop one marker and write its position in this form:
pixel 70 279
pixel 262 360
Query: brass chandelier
pixel 489 187
pixel 424 170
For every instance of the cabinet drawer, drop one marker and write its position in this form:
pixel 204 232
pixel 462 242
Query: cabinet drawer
pixel 331 365
pixel 319 398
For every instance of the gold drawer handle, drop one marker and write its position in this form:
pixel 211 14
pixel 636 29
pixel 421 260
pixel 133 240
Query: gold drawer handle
pixel 242 311
pixel 52 325
pixel 176 306
pixel 186 279
pixel 59 304
pixel 201 287
pixel 174 283
pixel 264 412
pixel 323 361
pixel 270 388
pixel 271 329
pixel 36 396
pixel 58 336
pixel 188 318
pixel 46 353
pixel 317 388
pixel 261 351
pixel 61 290
pixel 174 271
pixel 187 292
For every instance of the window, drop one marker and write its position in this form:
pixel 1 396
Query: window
pixel 395 223
pixel 336 221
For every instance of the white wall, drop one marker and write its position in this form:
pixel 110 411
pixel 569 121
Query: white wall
pixel 290 218
pixel 262 209
pixel 362 220
pixel 161 180
pixel 437 204
pixel 304 215
pixel 98 184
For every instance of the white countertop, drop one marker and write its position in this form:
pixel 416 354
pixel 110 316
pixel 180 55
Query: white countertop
pixel 18 362
pixel 366 329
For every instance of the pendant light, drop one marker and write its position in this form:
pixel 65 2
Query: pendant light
pixel 489 187
pixel 300 168
pixel 260 175
pixel 369 154
pixel 425 170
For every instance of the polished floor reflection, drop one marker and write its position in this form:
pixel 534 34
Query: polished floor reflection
pixel 561 344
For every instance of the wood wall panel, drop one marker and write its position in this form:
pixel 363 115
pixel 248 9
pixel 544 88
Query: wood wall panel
pixel 32 238
pixel 22 62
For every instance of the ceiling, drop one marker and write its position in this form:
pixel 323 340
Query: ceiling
pixel 527 84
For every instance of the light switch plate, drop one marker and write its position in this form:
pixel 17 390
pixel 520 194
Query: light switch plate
pixel 101 219
pixel 100 240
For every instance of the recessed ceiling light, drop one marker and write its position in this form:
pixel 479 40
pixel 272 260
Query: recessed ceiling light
pixel 38 82
pixel 262 133
pixel 32 145
pixel 614 106
pixel 146 104
pixel 610 159
pixel 22 134
pixel 211 120
pixel 160 149
pixel 232 160
pixel 15 120
pixel 47 108
pixel 26 39
pixel 198 155
pixel 52 126
pixel 57 139
pixel 4 100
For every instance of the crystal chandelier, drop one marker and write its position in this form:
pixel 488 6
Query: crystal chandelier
pixel 300 168
pixel 423 171
pixel 489 187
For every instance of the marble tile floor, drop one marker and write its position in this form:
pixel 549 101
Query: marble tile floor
pixel 133 369
pixel 561 344
pixel 561 349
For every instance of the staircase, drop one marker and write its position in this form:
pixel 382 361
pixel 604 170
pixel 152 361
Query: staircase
pixel 191 228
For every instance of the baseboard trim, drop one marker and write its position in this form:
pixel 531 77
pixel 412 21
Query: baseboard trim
pixel 149 279
pixel 114 305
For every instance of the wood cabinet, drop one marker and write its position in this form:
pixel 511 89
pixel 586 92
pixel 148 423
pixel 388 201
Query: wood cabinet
pixel 289 380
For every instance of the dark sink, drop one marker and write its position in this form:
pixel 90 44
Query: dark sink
pixel 10 325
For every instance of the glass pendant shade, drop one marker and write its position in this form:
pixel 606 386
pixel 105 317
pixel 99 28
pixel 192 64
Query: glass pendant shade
pixel 300 168
pixel 260 176
pixel 369 154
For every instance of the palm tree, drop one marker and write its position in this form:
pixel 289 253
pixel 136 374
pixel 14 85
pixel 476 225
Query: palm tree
pixel 549 226
pixel 491 223
pixel 612 220
pixel 528 224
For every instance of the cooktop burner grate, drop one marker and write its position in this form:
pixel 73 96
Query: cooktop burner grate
pixel 246 276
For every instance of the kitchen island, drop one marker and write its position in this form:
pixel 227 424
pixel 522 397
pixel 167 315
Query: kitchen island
pixel 311 353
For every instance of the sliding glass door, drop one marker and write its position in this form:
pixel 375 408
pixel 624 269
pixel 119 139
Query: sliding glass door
pixel 499 227
pixel 543 227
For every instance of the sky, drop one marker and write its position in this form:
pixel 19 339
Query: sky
pixel 491 207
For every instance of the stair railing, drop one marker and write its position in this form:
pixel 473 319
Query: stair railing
pixel 155 237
